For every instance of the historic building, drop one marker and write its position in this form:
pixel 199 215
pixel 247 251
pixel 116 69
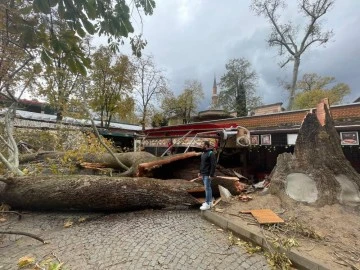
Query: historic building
pixel 272 132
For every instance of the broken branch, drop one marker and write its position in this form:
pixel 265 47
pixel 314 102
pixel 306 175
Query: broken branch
pixel 26 234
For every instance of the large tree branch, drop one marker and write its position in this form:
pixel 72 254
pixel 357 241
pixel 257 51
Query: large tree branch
pixel 21 66
pixel 285 63
pixel 123 166
pixel 26 234
pixel 321 40
pixel 317 12
pixel 9 118
pixel 10 166
pixel 6 143
pixel 273 21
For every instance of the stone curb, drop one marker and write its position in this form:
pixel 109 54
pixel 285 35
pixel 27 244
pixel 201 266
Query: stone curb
pixel 299 260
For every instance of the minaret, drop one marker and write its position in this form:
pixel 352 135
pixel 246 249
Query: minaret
pixel 214 97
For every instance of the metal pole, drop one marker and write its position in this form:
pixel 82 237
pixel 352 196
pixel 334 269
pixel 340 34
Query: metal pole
pixel 171 146
pixel 205 132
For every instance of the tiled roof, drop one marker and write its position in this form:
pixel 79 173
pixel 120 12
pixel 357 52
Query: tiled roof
pixel 68 120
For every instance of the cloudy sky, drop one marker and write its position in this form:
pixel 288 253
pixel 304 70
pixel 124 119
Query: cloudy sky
pixel 193 39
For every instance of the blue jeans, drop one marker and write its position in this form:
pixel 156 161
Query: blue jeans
pixel 208 190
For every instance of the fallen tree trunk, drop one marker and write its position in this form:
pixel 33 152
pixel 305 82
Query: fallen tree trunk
pixel 143 168
pixel 230 183
pixel 95 193
pixel 139 163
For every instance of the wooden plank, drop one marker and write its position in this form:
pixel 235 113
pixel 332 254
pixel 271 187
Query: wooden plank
pixel 196 189
pixel 265 216
pixel 217 201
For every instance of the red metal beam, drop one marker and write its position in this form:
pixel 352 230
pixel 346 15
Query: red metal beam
pixel 180 130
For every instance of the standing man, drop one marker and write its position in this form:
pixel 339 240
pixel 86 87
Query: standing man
pixel 207 170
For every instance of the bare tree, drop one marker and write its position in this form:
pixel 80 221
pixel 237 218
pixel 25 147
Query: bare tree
pixel 151 84
pixel 285 35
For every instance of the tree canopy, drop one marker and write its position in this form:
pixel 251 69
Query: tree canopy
pixel 112 80
pixel 312 88
pixel 151 85
pixel 185 105
pixel 52 30
pixel 239 87
pixel 286 35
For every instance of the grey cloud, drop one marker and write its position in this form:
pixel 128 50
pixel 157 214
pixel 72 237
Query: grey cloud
pixel 194 40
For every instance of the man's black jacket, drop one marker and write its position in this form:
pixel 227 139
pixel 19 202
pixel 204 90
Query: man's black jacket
pixel 208 163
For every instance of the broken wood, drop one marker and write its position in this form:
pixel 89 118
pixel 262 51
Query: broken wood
pixel 144 167
pixel 95 193
pixel 231 183
pixel 193 180
pixel 264 216
pixel 216 202
pixel 89 165
pixel 238 175
pixel 26 234
pixel 12 212
pixel 138 163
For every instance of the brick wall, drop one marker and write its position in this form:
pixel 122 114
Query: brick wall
pixel 268 109
pixel 339 113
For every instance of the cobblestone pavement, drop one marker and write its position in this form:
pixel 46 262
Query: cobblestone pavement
pixel 139 240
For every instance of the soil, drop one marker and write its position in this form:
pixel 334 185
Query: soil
pixel 338 227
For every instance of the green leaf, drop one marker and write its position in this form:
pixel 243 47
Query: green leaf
pixel 41 6
pixel 88 26
pixel 80 67
pixel 53 3
pixel 61 10
pixel 45 57
pixel 56 45
pixel 37 68
pixel 90 8
pixel 72 64
pixel 26 10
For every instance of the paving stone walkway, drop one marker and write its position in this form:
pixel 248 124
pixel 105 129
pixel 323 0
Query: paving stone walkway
pixel 139 240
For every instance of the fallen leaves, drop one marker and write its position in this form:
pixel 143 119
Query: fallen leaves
pixel 25 261
pixel 68 224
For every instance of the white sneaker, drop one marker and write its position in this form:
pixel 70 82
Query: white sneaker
pixel 205 206
pixel 211 204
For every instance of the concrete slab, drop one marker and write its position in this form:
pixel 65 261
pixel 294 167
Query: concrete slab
pixel 301 188
pixel 349 193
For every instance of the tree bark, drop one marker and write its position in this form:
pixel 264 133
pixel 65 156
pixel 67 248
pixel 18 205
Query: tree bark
pixel 294 80
pixel 319 156
pixel 230 183
pixel 95 193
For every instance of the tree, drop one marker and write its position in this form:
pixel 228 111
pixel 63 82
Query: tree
pixel 239 83
pixel 15 56
pixel 312 88
pixel 189 100
pixel 186 104
pixel 151 85
pixel 16 51
pixel 159 120
pixel 285 35
pixel 113 77
pixel 37 24
pixel 29 29
pixel 313 81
